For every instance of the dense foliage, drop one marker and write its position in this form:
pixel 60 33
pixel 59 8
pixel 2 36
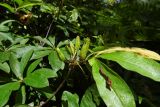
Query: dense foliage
pixel 79 53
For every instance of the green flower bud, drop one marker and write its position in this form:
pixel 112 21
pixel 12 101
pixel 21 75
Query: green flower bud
pixel 60 54
pixel 84 50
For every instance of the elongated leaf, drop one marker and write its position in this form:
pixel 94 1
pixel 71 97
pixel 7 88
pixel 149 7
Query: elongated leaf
pixel 90 98
pixel 143 52
pixel 46 72
pixel 26 5
pixel 4 97
pixel 21 95
pixel 119 94
pixel 11 9
pixel 4 28
pixel 5 67
pixel 39 78
pixel 47 91
pixel 5 91
pixel 33 66
pixel 44 40
pixel 39 54
pixel 72 99
pixel 4 56
pixel 52 40
pixel 55 62
pixel 134 62
pixel 6 36
pixel 25 58
pixel 15 66
pixel 20 50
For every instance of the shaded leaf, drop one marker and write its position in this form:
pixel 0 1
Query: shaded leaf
pixel 136 63
pixel 72 99
pixel 90 98
pixel 44 40
pixel 47 91
pixel 21 95
pixel 55 62
pixel 6 36
pixel 11 9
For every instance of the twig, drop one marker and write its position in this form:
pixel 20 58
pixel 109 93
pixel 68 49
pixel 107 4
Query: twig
pixel 48 31
pixel 59 87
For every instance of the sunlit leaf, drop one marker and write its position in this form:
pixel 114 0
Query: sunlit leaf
pixel 5 67
pixel 143 52
pixel 39 78
pixel 33 66
pixel 39 54
pixel 134 62
pixel 74 16
pixel 24 61
pixel 5 91
pixel 15 66
pixel 116 95
pixel 4 56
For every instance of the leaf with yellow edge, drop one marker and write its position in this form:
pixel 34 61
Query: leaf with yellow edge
pixel 143 52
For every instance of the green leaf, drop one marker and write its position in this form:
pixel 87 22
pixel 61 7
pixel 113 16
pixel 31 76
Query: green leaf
pixel 15 66
pixel 26 5
pixel 4 28
pixel 66 53
pixel 39 78
pixel 52 40
pixel 21 105
pixel 72 99
pixel 19 2
pixel 24 61
pixel 74 16
pixel 55 62
pixel 21 96
pixel 5 91
pixel 90 98
pixel 20 50
pixel 119 94
pixel 4 97
pixel 5 67
pixel 134 62
pixel 47 91
pixel 33 66
pixel 11 9
pixel 4 56
pixel 39 54
pixel 43 40
pixel 62 43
